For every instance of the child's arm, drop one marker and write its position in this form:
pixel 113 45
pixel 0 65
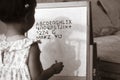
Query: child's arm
pixel 35 67
pixel 34 63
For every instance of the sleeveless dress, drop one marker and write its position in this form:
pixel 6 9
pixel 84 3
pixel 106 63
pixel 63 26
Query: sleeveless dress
pixel 13 59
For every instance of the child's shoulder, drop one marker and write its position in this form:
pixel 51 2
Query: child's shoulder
pixel 2 37
pixel 25 42
pixel 19 44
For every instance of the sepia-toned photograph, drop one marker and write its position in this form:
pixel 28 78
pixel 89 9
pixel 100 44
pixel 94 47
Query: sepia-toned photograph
pixel 59 39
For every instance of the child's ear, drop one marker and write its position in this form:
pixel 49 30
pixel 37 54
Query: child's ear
pixel 29 20
pixel 29 17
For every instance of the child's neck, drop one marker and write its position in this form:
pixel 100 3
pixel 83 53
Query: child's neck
pixel 13 33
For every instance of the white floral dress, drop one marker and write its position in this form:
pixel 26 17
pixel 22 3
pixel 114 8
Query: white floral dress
pixel 13 59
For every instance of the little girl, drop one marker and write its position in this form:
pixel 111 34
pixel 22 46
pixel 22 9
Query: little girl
pixel 19 55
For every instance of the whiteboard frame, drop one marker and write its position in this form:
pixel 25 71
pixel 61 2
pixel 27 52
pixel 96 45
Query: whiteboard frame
pixel 76 4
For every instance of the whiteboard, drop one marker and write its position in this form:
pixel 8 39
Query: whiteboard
pixel 63 29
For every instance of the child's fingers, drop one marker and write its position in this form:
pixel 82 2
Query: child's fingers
pixel 56 61
pixel 61 64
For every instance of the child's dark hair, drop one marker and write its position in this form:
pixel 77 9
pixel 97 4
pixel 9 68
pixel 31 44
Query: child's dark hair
pixel 15 10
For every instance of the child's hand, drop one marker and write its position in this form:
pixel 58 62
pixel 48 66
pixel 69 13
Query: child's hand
pixel 57 67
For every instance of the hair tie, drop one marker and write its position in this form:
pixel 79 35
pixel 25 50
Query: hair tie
pixel 27 5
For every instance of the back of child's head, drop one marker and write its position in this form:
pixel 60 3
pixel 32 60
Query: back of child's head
pixel 15 11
